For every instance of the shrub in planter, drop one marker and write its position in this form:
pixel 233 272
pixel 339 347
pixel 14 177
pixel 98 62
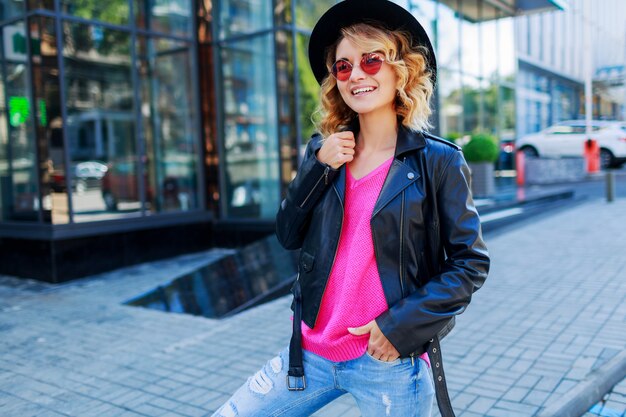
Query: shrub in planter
pixel 481 152
pixel 481 148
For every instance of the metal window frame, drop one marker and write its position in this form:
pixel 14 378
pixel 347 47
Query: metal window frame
pixel 39 229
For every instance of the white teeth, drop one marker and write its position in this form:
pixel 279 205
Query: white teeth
pixel 362 90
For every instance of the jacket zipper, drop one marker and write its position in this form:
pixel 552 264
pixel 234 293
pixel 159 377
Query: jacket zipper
pixel 334 256
pixel 325 177
pixel 402 245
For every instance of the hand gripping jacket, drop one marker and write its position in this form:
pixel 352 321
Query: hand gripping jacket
pixel 427 239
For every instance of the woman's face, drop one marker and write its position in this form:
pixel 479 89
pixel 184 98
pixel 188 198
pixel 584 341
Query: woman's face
pixel 362 92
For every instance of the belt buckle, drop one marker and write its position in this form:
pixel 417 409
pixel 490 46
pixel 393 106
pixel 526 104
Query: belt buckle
pixel 295 387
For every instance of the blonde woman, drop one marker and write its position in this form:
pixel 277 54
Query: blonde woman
pixel 390 241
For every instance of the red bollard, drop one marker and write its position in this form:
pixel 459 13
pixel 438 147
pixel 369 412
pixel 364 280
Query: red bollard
pixel 592 156
pixel 520 164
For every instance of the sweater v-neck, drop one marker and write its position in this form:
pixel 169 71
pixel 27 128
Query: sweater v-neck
pixel 355 182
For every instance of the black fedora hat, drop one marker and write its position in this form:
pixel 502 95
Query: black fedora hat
pixel 348 12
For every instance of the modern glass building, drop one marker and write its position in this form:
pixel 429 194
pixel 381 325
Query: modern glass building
pixel 552 59
pixel 135 130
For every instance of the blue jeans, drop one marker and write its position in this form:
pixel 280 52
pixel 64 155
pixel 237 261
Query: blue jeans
pixel 399 388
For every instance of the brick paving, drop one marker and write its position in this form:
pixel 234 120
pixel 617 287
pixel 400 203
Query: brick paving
pixel 552 310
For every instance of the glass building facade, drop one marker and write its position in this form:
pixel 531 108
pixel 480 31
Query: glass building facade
pixel 133 129
pixel 552 62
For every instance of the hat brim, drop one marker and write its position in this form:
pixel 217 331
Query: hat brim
pixel 349 12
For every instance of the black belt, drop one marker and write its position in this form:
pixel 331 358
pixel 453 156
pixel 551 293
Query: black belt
pixel 296 380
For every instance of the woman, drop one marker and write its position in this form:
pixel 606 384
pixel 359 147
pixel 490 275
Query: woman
pixel 390 241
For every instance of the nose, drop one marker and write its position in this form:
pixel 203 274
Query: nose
pixel 357 73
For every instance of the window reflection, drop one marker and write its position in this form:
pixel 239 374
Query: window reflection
pixel 111 11
pixel 472 101
pixel 470 45
pixel 448 38
pixel 49 130
pixel 104 171
pixel 11 8
pixel 19 199
pixel 249 107
pixel 451 108
pixel 167 109
pixel 308 12
pixel 244 16
pixel 506 48
pixel 166 16
pixel 309 89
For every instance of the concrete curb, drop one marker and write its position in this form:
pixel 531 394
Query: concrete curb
pixel 577 401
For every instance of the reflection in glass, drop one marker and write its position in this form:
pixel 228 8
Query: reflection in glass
pixel 451 108
pixel 506 48
pixel 19 199
pixel 168 113
pixel 426 13
pixel 489 49
pixel 448 40
pixel 308 12
pixel 286 103
pixel 309 89
pixel 12 8
pixel 244 16
pixel 166 16
pixel 111 11
pixel 49 130
pixel 100 123
pixel 256 274
pixel 506 111
pixel 472 101
pixel 470 45
pixel 249 108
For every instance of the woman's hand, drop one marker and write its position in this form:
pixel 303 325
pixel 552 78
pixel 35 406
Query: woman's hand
pixel 337 149
pixel 379 346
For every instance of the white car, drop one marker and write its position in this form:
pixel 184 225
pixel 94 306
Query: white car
pixel 568 139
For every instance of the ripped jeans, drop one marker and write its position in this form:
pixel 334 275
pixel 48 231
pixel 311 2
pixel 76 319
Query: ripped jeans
pixel 398 388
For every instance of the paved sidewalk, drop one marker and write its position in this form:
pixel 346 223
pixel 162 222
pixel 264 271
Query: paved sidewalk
pixel 553 310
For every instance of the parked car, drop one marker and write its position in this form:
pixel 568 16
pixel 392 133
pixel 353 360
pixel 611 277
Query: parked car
pixel 121 185
pixel 568 139
pixel 87 175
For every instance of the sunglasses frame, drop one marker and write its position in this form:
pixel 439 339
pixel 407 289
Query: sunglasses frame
pixel 333 68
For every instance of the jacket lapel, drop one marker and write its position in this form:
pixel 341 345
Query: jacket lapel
pixel 399 177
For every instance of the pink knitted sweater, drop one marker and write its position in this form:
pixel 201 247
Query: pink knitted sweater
pixel 354 295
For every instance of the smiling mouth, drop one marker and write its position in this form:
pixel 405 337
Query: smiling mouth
pixel 362 90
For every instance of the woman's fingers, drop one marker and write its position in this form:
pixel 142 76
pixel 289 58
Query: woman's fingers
pixel 380 347
pixel 337 149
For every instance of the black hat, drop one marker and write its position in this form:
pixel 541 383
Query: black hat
pixel 349 12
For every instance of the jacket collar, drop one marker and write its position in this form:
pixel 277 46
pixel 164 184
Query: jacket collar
pixel 399 176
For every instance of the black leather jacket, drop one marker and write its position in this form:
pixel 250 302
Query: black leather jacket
pixel 426 232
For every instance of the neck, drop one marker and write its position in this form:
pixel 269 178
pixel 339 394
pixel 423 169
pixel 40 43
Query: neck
pixel 377 131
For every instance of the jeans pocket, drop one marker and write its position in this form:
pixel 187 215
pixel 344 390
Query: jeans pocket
pixel 389 363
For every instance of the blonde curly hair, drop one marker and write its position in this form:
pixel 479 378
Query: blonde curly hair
pixel 413 90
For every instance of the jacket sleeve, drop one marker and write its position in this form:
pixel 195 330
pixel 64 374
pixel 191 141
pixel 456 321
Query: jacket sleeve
pixel 304 191
pixel 414 320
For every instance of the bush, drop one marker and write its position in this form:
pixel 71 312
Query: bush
pixel 481 148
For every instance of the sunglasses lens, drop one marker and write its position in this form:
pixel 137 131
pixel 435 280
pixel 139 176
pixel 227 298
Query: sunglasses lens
pixel 341 70
pixel 371 63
